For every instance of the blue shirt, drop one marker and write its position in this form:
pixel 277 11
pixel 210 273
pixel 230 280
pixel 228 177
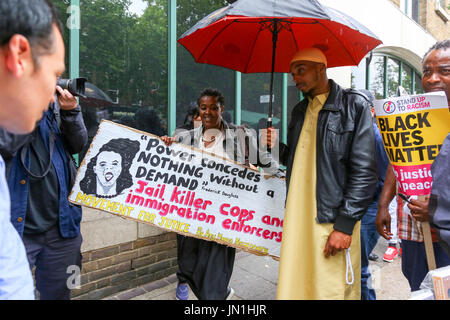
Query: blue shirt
pixel 16 282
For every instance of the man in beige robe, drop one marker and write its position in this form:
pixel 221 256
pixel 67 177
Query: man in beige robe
pixel 331 179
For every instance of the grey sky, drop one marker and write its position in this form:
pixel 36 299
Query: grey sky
pixel 138 7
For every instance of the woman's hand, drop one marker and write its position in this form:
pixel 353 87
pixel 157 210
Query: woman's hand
pixel 167 140
pixel 268 137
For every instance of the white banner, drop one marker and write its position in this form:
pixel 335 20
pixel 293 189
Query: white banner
pixel 133 174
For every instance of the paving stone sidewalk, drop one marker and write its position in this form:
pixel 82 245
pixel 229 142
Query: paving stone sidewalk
pixel 255 278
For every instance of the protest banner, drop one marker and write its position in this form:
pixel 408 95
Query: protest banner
pixel 413 129
pixel 178 188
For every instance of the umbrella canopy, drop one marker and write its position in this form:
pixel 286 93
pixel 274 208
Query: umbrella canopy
pixel 254 36
pixel 240 36
pixel 95 97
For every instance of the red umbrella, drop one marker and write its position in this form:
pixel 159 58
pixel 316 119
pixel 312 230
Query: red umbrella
pixel 253 36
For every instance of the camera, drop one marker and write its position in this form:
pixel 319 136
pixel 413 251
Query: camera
pixel 75 86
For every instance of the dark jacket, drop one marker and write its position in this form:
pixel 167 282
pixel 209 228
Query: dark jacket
pixel 439 205
pixel 70 135
pixel 346 170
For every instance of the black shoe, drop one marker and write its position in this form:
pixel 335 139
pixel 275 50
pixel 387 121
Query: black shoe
pixel 230 293
pixel 373 257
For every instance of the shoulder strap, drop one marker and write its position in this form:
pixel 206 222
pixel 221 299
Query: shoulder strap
pixel 57 114
pixel 23 154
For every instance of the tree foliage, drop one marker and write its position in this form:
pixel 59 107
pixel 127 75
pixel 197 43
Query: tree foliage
pixel 122 51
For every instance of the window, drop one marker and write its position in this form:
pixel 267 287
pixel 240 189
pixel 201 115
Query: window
pixel 441 10
pixel 410 8
pixel 393 68
pixel 61 7
pixel 415 10
pixel 376 76
pixel 359 75
pixel 384 74
pixel 417 84
pixel 406 78
pixel 255 99
pixel 123 52
pixel 193 77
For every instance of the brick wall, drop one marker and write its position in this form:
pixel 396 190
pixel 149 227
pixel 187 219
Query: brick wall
pixel 109 270
pixel 430 20
pixel 436 25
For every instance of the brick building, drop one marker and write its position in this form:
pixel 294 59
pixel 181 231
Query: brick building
pixel 432 15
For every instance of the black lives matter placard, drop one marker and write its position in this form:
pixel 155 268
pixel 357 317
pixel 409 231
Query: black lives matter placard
pixel 178 188
pixel 413 129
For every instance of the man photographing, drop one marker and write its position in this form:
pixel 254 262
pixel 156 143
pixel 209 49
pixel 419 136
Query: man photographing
pixel 40 176
pixel 31 58
pixel 38 162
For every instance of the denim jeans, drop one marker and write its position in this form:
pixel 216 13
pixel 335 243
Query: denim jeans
pixel 52 255
pixel 369 239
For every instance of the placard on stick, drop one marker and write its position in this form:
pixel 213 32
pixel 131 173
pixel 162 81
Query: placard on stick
pixel 413 129
pixel 133 174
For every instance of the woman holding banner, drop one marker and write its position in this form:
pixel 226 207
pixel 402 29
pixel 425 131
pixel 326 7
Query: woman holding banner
pixel 206 265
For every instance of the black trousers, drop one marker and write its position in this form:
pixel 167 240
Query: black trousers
pixel 206 266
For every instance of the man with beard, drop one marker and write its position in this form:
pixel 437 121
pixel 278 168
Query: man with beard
pixel 331 180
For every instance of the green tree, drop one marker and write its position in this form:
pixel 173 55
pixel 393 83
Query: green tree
pixel 147 75
pixel 61 6
pixel 104 41
pixel 192 77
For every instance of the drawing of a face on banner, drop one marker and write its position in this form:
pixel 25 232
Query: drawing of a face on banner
pixel 108 173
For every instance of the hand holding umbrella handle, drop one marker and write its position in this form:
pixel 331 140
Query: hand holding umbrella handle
pixel 268 137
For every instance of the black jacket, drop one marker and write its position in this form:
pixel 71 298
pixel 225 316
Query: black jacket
pixel 245 148
pixel 346 170
pixel 69 136
pixel 70 123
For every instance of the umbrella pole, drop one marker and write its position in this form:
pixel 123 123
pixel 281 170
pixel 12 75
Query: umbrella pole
pixel 274 50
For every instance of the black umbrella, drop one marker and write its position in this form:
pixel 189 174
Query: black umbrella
pixel 95 97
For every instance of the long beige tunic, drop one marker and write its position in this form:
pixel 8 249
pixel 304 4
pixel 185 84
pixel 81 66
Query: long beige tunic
pixel 304 272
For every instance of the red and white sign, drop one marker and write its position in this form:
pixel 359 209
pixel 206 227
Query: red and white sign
pixel 178 188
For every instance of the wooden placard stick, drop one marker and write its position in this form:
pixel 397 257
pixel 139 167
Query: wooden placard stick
pixel 426 231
